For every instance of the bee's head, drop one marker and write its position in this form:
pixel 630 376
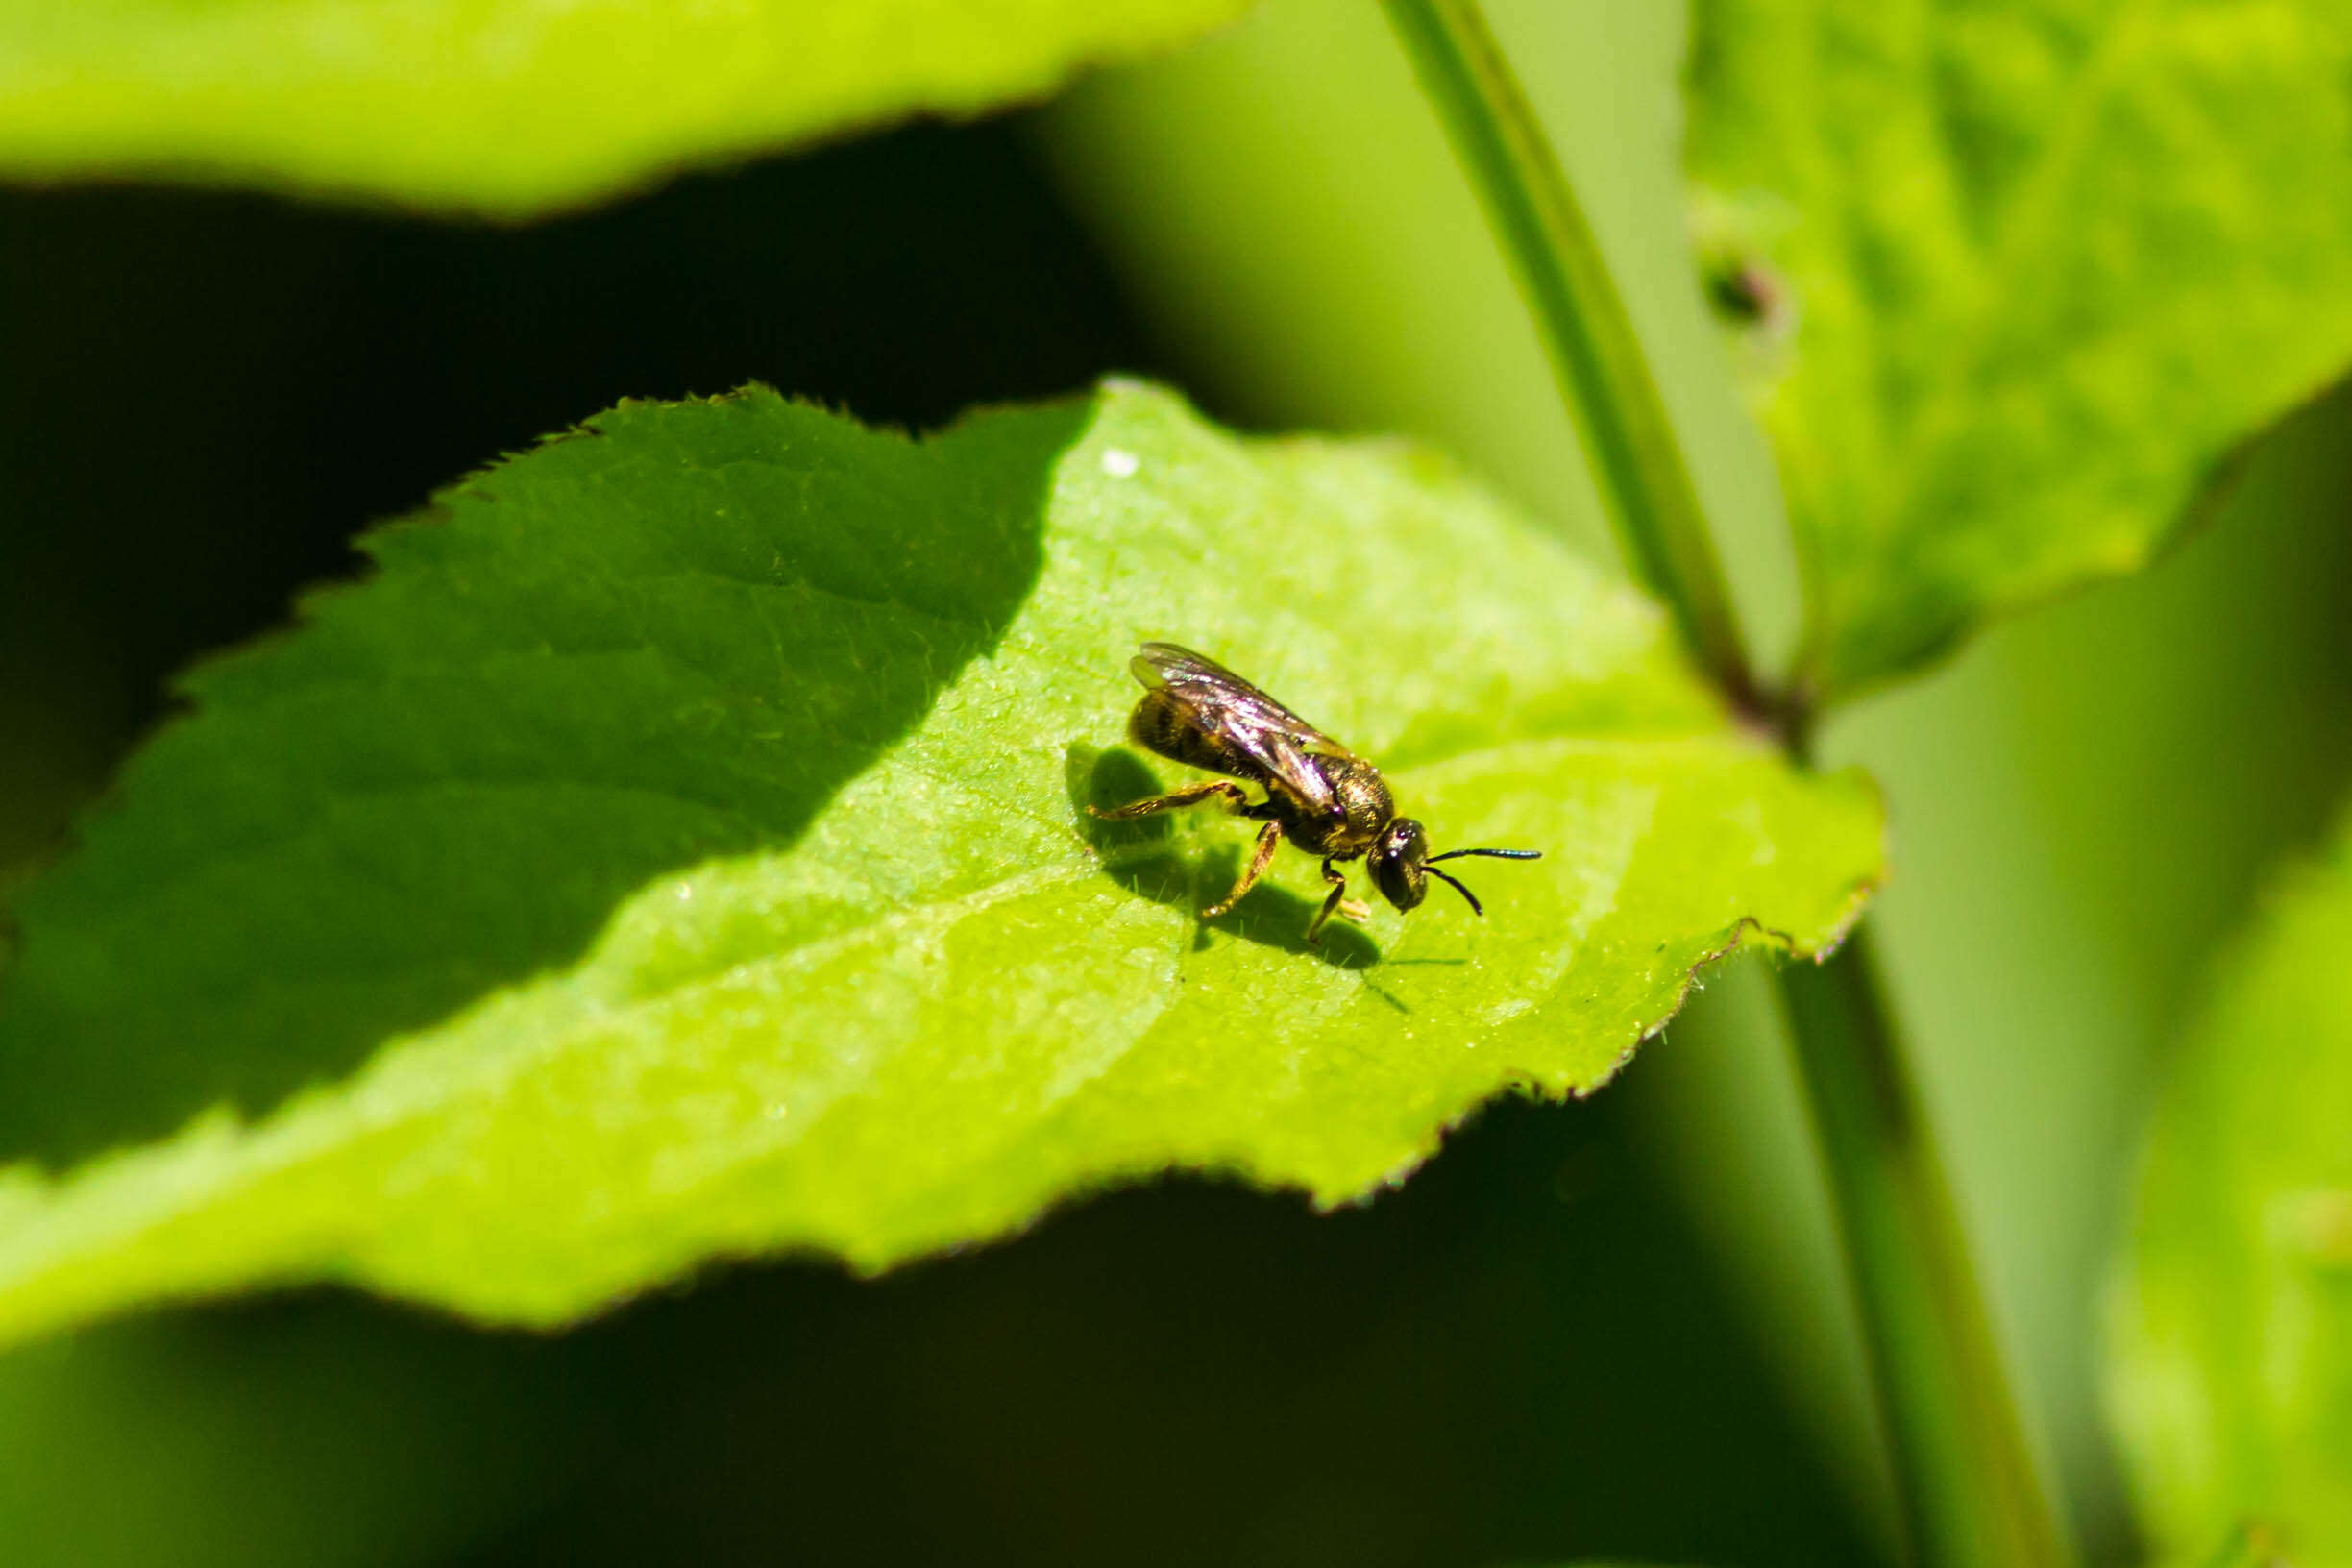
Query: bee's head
pixel 1402 865
pixel 1399 863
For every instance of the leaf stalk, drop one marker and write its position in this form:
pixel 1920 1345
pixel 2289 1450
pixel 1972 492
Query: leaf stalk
pixel 1603 375
pixel 1972 1491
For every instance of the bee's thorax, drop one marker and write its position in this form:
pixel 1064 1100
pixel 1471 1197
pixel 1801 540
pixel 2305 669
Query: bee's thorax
pixel 1365 810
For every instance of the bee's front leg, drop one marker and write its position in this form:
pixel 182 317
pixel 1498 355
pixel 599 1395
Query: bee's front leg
pixel 1336 900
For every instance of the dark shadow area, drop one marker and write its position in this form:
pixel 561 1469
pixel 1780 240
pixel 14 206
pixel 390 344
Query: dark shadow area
pixel 1145 855
pixel 206 396
pixel 1517 1358
pixel 637 691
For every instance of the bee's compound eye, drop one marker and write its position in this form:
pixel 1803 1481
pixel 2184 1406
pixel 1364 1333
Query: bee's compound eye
pixel 1396 864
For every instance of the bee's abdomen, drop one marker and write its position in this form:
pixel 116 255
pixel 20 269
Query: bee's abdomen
pixel 1162 725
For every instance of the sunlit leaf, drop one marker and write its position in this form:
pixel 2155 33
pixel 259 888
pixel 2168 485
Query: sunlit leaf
pixel 676 851
pixel 2018 276
pixel 511 107
pixel 2231 1357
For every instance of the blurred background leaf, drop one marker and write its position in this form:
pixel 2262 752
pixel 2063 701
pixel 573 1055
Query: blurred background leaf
pixel 510 109
pixel 691 811
pixel 2230 1369
pixel 2017 278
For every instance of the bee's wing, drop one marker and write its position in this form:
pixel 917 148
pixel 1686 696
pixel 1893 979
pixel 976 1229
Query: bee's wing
pixel 1252 723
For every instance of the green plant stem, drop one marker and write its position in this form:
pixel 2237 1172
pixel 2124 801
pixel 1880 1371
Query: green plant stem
pixel 1603 375
pixel 1972 1491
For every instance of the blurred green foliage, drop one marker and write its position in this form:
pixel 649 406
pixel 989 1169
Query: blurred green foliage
pixel 2231 1376
pixel 509 109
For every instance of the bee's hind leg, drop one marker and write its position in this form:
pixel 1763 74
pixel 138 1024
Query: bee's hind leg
pixel 1269 837
pixel 1237 799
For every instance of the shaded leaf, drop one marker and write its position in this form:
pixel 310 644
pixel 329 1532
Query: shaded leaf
pixel 676 851
pixel 509 108
pixel 2018 276
pixel 2230 1366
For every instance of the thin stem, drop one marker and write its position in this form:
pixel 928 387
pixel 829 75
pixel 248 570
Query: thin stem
pixel 1973 1494
pixel 1972 1491
pixel 1604 376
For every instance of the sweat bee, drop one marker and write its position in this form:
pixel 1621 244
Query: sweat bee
pixel 1324 798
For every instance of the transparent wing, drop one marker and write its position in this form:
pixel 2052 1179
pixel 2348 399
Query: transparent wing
pixel 1253 724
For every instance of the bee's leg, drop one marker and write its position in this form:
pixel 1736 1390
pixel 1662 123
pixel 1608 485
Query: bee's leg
pixel 1338 887
pixel 1237 799
pixel 1269 837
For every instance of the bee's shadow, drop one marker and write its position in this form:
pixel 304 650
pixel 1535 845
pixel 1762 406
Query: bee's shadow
pixel 1146 855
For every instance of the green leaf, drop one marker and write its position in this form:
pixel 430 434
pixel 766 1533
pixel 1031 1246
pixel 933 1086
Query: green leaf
pixel 2230 1364
pixel 516 108
pixel 676 851
pixel 2019 277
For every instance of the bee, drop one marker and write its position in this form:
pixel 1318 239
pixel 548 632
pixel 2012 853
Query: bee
pixel 1324 798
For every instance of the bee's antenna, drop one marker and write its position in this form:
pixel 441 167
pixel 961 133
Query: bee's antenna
pixel 1496 854
pixel 1475 908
